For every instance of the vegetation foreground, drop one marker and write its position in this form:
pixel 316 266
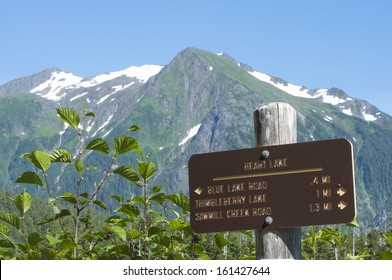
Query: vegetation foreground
pixel 152 225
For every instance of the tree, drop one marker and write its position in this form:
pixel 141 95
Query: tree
pixel 153 225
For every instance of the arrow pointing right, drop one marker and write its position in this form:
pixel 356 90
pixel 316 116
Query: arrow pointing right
pixel 341 191
pixel 342 204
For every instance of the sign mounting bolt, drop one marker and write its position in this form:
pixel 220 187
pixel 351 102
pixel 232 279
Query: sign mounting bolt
pixel 265 154
pixel 268 220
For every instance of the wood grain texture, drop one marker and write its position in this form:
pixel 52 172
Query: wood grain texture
pixel 276 124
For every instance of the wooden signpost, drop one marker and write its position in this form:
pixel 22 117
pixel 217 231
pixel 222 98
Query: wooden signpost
pixel 274 188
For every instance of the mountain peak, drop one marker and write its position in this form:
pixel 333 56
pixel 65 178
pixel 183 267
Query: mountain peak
pixel 200 102
pixel 27 83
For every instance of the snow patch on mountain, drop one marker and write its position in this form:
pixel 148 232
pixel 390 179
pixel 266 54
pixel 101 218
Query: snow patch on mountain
pixel 347 112
pixel 107 133
pixel 328 118
pixel 116 89
pixel 287 87
pixel 192 132
pixel 55 88
pixel 142 73
pixel 299 91
pixel 51 88
pixel 369 117
pixel 78 96
pixel 102 126
pixel 89 126
pixel 331 99
pixel 303 92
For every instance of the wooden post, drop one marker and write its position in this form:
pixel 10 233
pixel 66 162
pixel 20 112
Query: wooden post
pixel 276 124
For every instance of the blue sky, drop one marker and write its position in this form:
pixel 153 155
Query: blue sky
pixel 317 44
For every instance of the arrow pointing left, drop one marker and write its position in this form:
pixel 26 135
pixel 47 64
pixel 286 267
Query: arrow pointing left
pixel 199 190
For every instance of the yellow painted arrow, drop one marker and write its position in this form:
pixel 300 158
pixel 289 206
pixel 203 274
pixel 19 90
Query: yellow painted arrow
pixel 341 191
pixel 342 204
pixel 199 190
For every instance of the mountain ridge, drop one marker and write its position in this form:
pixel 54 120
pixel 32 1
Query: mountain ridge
pixel 202 102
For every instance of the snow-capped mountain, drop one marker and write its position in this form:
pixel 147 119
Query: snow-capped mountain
pixel 199 102
pixel 60 83
pixel 328 96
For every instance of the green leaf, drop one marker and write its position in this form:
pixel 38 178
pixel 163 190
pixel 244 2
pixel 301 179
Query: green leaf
pixel 353 223
pixel 388 237
pixel 204 257
pixel 134 128
pixel 6 244
pixel 4 230
pixel 159 219
pixel 98 145
pixel 29 177
pixel 156 189
pixel 175 225
pixel 155 230
pixel 129 210
pixel 155 213
pixel 146 169
pixel 60 155
pixel 90 114
pixel 220 240
pixel 69 197
pixel 83 201
pixel 52 240
pixel 67 244
pixel 25 155
pixel 162 240
pixel 45 221
pixel 40 159
pixel 59 214
pixel 117 197
pixel 120 250
pixel 11 219
pixel 140 200
pixel 89 237
pixel 128 173
pixel 118 230
pixel 79 166
pixel 84 195
pixel 139 151
pixel 69 116
pixel 134 234
pixel 159 198
pixel 101 204
pixel 34 238
pixel 123 144
pixel 54 203
pixel 63 213
pixel 386 256
pixel 23 202
pixel 180 200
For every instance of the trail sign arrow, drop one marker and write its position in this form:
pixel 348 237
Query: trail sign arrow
pixel 199 190
pixel 296 185
pixel 341 191
pixel 342 204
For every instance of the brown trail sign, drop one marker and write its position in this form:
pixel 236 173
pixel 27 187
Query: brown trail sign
pixel 270 187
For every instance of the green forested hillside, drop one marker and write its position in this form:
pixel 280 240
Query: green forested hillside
pixel 197 89
pixel 152 225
